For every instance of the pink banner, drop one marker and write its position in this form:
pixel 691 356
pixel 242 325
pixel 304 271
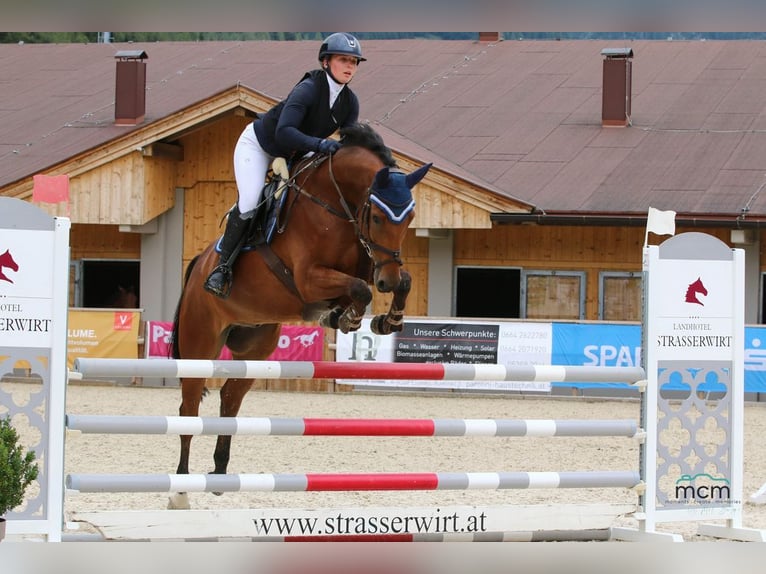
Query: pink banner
pixel 295 343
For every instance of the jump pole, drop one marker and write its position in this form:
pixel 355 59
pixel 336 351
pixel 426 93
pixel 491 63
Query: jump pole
pixel 271 426
pixel 199 368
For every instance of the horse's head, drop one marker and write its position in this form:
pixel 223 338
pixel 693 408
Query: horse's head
pixel 391 210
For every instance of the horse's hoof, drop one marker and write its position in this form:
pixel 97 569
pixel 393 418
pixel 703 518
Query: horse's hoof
pixel 347 325
pixel 179 501
pixel 329 320
pixel 378 325
pixel 218 493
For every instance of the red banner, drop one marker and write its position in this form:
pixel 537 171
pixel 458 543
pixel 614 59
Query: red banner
pixel 295 343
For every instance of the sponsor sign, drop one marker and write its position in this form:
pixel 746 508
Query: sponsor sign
pixel 296 343
pixel 26 291
pixel 433 341
pixel 102 334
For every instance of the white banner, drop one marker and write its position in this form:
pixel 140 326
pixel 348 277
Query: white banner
pixel 452 341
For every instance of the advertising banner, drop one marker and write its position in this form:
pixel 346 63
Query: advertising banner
pixel 596 345
pixel 296 343
pixel 102 334
pixel 520 344
pixel 26 292
pixel 452 341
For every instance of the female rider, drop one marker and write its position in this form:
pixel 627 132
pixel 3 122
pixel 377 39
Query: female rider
pixel 315 108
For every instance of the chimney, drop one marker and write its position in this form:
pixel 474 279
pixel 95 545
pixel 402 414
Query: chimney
pixel 130 93
pixel 489 36
pixel 615 97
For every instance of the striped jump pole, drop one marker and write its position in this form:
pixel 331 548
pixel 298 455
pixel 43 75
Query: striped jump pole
pixel 266 426
pixel 349 482
pixel 203 369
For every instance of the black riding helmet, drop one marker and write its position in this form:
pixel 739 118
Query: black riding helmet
pixel 341 43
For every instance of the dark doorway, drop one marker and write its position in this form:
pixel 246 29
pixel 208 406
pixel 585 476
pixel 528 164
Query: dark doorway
pixel 108 284
pixel 493 292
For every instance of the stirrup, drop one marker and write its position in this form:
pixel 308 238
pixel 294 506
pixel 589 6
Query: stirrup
pixel 223 289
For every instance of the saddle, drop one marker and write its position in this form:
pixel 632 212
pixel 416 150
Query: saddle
pixel 264 219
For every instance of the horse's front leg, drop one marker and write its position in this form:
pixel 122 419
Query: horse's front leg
pixel 351 319
pixel 325 284
pixel 394 319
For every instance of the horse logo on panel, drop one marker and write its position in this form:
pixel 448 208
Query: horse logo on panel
pixel 306 339
pixel 7 262
pixel 694 289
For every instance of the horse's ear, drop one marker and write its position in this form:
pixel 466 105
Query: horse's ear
pixel 414 177
pixel 381 179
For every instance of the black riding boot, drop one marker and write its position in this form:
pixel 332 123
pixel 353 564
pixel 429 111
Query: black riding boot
pixel 220 280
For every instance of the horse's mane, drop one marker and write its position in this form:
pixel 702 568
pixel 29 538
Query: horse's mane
pixel 363 135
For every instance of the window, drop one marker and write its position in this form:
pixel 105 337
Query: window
pixel 510 293
pixel 554 295
pixel 490 292
pixel 620 296
pixel 109 284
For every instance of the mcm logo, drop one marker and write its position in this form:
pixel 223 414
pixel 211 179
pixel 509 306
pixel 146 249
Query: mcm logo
pixel 7 262
pixel 695 289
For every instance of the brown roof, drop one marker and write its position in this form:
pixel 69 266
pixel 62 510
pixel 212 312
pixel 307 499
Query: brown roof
pixel 519 118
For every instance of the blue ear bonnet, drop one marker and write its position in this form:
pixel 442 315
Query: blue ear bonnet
pixel 392 195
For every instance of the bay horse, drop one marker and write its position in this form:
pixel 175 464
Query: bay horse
pixel 343 222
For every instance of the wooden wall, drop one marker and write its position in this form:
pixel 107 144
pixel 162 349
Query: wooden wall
pixel 130 190
pixel 90 241
pixel 209 151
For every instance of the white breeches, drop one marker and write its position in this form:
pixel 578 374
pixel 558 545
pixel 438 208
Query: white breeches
pixel 251 163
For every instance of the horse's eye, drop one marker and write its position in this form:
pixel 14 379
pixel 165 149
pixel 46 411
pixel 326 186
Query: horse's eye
pixel 376 219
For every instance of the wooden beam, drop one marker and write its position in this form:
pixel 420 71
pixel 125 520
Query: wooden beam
pixel 164 150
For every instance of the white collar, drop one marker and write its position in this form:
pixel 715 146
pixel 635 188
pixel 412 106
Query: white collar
pixel 335 89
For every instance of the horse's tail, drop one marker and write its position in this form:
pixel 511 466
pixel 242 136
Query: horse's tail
pixel 174 351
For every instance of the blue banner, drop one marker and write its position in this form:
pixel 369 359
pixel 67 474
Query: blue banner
pixel 610 345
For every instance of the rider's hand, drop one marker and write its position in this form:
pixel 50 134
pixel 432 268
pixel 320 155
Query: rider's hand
pixel 328 146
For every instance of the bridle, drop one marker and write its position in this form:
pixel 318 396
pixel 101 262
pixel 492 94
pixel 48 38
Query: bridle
pixel 360 224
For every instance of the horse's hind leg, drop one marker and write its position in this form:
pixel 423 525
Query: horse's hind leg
pixel 191 397
pixel 192 391
pixel 394 319
pixel 246 343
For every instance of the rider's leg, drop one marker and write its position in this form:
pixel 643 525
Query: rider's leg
pixel 250 166
pixel 220 280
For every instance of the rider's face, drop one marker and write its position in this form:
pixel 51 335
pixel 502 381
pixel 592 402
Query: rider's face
pixel 342 67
